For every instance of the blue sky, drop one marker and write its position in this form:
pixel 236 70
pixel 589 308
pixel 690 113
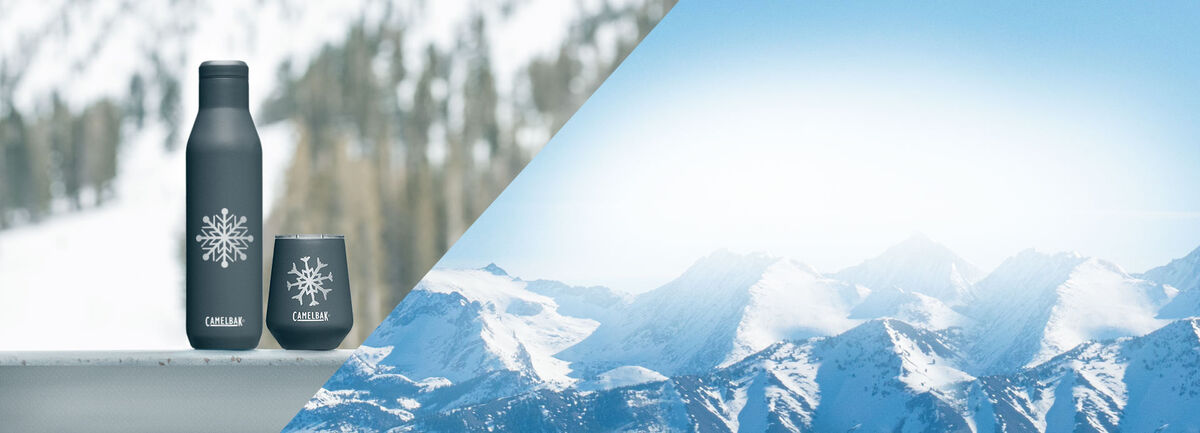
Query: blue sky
pixel 827 131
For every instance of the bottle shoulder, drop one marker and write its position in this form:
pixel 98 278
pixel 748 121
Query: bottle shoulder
pixel 223 129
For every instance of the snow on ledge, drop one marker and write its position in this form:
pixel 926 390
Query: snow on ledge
pixel 184 358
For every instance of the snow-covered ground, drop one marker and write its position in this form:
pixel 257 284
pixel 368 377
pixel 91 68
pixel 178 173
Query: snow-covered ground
pixel 626 375
pixel 111 277
pixel 108 278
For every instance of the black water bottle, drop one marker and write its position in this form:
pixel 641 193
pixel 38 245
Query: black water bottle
pixel 224 214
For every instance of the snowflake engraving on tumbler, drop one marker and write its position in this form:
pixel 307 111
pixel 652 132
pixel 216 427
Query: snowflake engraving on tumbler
pixel 224 238
pixel 309 282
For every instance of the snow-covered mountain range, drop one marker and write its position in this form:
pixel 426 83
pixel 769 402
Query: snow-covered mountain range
pixel 917 264
pixel 914 340
pixel 1036 306
pixel 1183 274
pixel 723 308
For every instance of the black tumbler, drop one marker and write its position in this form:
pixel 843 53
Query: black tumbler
pixel 224 214
pixel 308 306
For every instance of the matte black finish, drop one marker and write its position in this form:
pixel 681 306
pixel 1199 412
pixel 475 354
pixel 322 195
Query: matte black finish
pixel 308 306
pixel 224 214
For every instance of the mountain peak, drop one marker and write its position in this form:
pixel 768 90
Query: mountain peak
pixel 918 238
pixel 904 341
pixel 493 269
pixel 918 264
pixel 723 308
pixel 723 264
pixel 1182 273
pixel 724 257
pixel 1185 331
pixel 1031 261
pixel 1031 254
pixel 885 327
pixel 1036 305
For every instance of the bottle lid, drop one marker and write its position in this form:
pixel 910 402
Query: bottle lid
pixel 310 236
pixel 224 69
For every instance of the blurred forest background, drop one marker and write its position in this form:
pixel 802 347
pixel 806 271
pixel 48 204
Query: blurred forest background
pixel 398 145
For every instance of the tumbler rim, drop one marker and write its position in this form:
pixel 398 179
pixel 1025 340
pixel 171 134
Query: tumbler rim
pixel 310 236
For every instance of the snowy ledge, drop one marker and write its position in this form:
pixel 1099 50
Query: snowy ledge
pixel 131 391
pixel 182 358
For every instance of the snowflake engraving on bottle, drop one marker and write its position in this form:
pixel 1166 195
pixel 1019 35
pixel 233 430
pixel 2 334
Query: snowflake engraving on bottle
pixel 309 282
pixel 224 238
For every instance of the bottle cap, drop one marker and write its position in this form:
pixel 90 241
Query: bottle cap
pixel 224 69
pixel 310 236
